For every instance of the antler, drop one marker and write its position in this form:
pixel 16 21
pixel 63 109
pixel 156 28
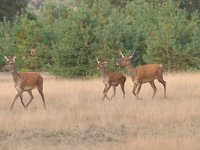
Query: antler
pixel 97 60
pixel 14 58
pixel 6 58
pixel 121 53
pixel 132 54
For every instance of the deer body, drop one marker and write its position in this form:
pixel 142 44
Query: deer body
pixel 143 74
pixel 24 81
pixel 111 79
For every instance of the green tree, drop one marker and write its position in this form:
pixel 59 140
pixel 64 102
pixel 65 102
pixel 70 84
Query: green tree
pixel 7 41
pixel 72 50
pixel 11 8
pixel 170 37
pixel 23 35
pixel 66 41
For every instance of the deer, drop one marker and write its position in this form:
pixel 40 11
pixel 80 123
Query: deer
pixel 24 82
pixel 143 74
pixel 110 79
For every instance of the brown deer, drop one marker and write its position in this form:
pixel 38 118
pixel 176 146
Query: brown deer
pixel 110 79
pixel 24 81
pixel 143 74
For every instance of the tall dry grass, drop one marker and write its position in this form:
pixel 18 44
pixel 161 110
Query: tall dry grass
pixel 77 118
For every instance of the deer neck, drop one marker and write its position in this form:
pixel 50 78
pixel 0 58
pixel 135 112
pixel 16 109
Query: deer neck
pixel 131 70
pixel 104 73
pixel 15 75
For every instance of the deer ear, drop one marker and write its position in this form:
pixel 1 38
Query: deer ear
pixel 105 62
pixel 6 58
pixel 14 58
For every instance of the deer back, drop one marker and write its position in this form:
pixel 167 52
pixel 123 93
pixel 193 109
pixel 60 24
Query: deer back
pixel 116 77
pixel 31 79
pixel 149 72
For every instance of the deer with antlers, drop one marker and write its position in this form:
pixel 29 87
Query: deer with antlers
pixel 143 74
pixel 110 79
pixel 24 81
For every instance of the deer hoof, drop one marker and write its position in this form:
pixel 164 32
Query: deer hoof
pixel 165 97
pixel 109 98
pixel 139 98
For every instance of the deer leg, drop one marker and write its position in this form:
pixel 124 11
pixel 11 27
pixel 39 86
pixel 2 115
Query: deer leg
pixel 164 85
pixel 31 98
pixel 134 89
pixel 18 94
pixel 138 90
pixel 154 88
pixel 106 89
pixel 42 95
pixel 122 87
pixel 21 98
pixel 114 91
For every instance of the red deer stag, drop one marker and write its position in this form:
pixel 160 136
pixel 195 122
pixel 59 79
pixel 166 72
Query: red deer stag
pixel 143 74
pixel 110 79
pixel 24 81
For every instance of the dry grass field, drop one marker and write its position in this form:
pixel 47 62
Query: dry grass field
pixel 77 118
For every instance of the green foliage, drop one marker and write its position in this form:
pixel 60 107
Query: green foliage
pixel 67 40
pixel 72 48
pixel 170 39
pixel 11 8
pixel 7 42
pixel 23 36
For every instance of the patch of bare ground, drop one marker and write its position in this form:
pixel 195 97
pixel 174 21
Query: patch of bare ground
pixel 77 118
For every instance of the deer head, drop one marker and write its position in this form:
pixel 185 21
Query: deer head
pixel 101 64
pixel 125 60
pixel 10 63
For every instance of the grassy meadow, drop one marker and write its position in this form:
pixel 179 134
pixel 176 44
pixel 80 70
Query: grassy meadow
pixel 77 118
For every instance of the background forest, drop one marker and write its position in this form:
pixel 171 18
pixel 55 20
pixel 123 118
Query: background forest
pixel 65 37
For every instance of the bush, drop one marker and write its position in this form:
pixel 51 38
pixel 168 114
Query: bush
pixel 66 41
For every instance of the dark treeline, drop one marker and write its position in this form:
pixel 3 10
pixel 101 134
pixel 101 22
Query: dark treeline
pixel 66 38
